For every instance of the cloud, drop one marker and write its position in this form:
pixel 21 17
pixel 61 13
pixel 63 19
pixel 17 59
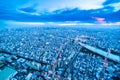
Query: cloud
pixel 118 23
pixel 25 23
pixel 100 20
pixel 63 15
pixel 110 2
pixel 28 10
pixel 60 11
pixel 116 6
pixel 82 5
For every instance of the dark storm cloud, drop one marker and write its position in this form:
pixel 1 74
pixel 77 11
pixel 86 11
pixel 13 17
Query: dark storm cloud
pixel 71 15
pixel 82 15
pixel 28 9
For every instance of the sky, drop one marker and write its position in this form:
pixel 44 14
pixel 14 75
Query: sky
pixel 62 12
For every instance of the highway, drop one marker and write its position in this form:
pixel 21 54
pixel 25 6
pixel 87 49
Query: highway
pixel 110 56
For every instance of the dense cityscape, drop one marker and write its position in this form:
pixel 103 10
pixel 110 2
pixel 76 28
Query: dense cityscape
pixel 59 39
pixel 48 53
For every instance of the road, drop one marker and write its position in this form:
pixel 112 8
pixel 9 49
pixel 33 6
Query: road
pixel 110 56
